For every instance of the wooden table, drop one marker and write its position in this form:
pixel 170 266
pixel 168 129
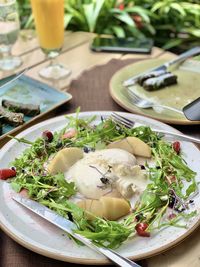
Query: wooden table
pixel 77 56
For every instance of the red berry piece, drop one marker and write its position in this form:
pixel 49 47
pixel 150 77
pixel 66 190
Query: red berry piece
pixel 69 134
pixel 7 173
pixel 47 135
pixel 173 179
pixel 141 229
pixel 176 146
pixel 172 216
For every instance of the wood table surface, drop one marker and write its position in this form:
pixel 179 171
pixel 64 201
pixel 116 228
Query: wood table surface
pixel 78 57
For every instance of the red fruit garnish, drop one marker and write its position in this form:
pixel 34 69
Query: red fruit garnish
pixel 7 173
pixel 121 6
pixel 173 178
pixel 47 135
pixel 171 216
pixel 24 192
pixel 69 134
pixel 176 146
pixel 141 229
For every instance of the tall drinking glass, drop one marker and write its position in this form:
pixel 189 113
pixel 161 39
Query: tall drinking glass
pixel 9 29
pixel 49 22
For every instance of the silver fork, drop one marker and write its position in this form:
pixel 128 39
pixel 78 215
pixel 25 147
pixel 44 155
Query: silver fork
pixel 145 103
pixel 130 124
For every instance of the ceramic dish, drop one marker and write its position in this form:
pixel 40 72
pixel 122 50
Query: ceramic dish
pixel 176 96
pixel 29 91
pixel 40 236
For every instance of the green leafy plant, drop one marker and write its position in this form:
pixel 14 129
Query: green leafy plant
pixel 170 23
pixel 179 21
pixel 101 17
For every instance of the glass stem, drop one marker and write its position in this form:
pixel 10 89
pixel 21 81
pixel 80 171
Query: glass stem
pixel 6 51
pixel 53 58
pixel 54 70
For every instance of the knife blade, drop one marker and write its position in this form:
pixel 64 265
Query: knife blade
pixel 12 78
pixel 182 57
pixel 69 227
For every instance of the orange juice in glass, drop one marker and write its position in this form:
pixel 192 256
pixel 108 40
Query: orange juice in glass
pixel 49 22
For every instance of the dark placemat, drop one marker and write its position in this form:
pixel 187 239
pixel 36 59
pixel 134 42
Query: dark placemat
pixel 91 92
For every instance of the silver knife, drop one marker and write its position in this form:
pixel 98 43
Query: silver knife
pixel 192 52
pixel 69 227
pixel 12 78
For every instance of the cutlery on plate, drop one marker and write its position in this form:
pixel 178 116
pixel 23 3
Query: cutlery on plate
pixel 130 124
pixel 192 52
pixel 192 110
pixel 145 103
pixel 69 227
pixel 12 78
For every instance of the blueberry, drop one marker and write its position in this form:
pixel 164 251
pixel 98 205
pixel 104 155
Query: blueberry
pixel 172 202
pixel 59 144
pixel 139 217
pixel 87 149
pixel 142 167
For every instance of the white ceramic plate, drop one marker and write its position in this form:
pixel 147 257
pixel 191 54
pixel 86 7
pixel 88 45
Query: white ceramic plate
pixel 40 236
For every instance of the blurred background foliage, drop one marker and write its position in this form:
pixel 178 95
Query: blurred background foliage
pixel 172 24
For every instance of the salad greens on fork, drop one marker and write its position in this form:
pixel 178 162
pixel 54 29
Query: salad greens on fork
pixel 165 201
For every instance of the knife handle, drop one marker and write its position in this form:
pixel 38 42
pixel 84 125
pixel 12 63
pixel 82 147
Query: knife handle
pixel 115 257
pixel 192 52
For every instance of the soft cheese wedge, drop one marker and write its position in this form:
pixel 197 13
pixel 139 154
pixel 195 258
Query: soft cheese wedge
pixel 133 145
pixel 64 159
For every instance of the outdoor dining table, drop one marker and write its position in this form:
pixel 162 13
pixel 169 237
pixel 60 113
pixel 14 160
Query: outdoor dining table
pixel 89 86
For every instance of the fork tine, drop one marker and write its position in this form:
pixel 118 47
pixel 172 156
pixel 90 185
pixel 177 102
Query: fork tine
pixel 122 120
pixel 133 95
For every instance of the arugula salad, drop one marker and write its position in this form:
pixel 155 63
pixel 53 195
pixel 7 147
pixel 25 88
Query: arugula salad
pixel 165 200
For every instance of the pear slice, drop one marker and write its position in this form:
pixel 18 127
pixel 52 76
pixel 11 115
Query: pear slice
pixel 110 208
pixel 92 207
pixel 114 208
pixel 122 144
pixel 139 147
pixel 133 145
pixel 64 159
